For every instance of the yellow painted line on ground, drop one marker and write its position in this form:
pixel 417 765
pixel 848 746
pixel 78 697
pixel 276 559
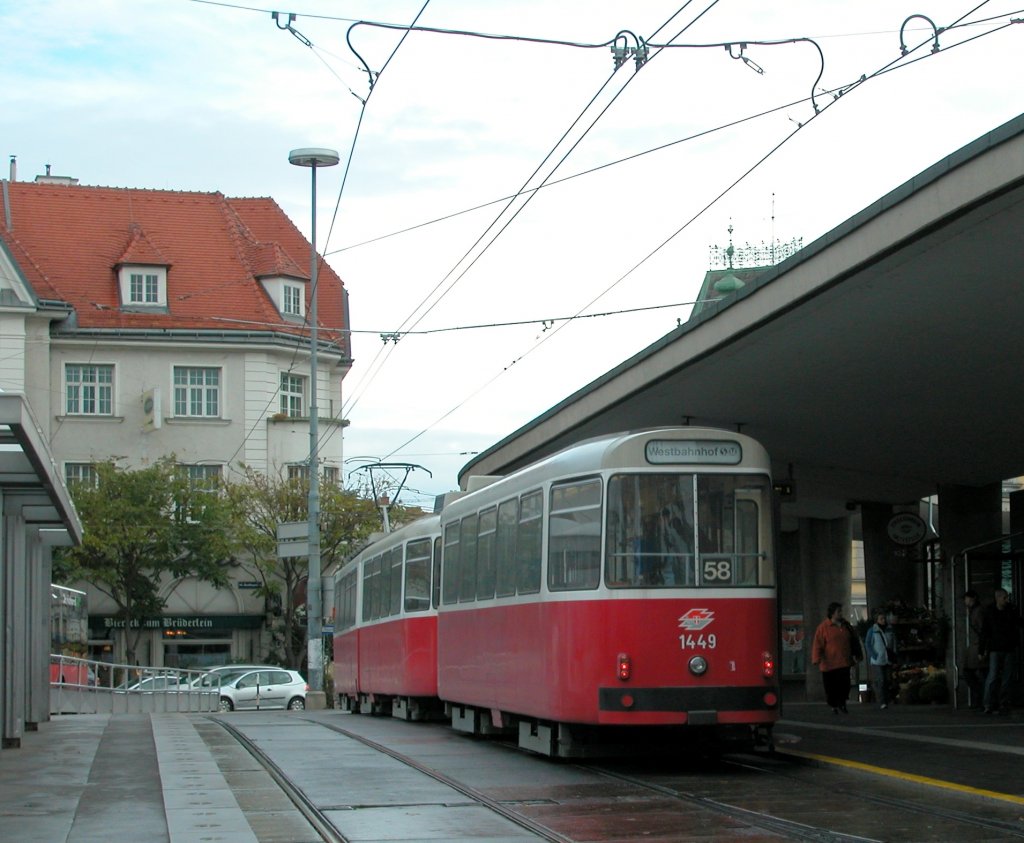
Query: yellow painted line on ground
pixel 910 777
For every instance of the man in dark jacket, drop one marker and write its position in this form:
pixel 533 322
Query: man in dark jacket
pixel 999 637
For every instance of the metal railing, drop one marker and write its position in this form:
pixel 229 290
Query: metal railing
pixel 83 686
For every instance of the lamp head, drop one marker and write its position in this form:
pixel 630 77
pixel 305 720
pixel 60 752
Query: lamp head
pixel 313 157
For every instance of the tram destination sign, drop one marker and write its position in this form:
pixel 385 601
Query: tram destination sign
pixel 693 451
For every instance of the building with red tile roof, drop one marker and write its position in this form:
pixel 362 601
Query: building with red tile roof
pixel 144 323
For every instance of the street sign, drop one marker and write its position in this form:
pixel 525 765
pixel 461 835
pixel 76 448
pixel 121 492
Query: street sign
pixel 286 550
pixel 292 539
pixel 292 530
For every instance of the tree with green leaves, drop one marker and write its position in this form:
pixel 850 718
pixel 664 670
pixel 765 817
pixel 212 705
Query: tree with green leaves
pixel 141 527
pixel 347 519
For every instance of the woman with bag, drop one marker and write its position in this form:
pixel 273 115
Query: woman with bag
pixel 835 649
pixel 880 646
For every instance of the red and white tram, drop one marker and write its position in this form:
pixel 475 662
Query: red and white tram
pixel 385 641
pixel 621 589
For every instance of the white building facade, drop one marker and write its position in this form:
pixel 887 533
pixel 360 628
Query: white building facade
pixel 142 324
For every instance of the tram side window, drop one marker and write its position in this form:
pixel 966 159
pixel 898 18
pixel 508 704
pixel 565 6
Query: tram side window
pixel 528 542
pixel 508 520
pixel 395 604
pixel 383 586
pixel 649 539
pixel 574 536
pixel 485 554
pixel 417 575
pixel 370 571
pixel 467 559
pixel 346 601
pixel 450 568
pixel 435 580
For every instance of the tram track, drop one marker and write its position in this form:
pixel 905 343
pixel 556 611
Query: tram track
pixel 643 797
pixel 313 815
pixel 790 829
pixel 322 823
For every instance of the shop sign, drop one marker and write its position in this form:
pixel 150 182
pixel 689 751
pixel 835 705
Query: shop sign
pixel 906 529
pixel 191 623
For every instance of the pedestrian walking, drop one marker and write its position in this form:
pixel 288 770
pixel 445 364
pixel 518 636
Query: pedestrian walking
pixel 1000 632
pixel 975 671
pixel 835 649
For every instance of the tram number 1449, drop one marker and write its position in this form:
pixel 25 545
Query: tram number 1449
pixel 690 641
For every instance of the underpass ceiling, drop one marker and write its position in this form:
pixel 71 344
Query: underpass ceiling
pixel 880 363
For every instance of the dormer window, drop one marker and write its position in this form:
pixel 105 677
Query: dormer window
pixel 142 273
pixel 143 286
pixel 288 295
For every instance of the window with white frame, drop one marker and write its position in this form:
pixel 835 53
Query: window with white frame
pixel 203 476
pixel 88 389
pixel 143 286
pixel 331 474
pixel 298 471
pixel 81 474
pixel 293 394
pixel 197 391
pixel 292 300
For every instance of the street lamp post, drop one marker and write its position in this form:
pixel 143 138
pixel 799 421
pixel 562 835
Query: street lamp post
pixel 315 698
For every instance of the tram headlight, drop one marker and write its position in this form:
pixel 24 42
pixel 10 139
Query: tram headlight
pixel 698 665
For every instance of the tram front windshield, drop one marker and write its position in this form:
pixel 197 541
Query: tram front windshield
pixel 689 530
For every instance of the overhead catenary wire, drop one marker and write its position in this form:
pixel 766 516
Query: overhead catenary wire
pixel 897 63
pixel 379 359
pixel 319 258
pixel 711 5
pixel 851 87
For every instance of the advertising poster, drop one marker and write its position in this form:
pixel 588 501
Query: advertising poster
pixel 794 656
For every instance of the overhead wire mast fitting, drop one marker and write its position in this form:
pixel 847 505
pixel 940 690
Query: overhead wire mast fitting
pixel 622 50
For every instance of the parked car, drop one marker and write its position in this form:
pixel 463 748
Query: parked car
pixel 264 689
pixel 226 672
pixel 163 682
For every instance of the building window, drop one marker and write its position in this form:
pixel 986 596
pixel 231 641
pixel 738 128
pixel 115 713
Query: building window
pixel 144 288
pixel 81 473
pixel 331 474
pixel 293 394
pixel 292 300
pixel 298 471
pixel 89 390
pixel 203 476
pixel 196 391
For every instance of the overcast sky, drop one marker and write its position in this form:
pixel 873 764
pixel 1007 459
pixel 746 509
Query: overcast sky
pixel 189 95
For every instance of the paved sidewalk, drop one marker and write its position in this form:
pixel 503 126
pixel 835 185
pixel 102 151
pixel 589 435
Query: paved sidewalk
pixel 161 778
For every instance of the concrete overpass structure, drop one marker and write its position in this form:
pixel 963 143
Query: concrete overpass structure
pixel 36 515
pixel 879 365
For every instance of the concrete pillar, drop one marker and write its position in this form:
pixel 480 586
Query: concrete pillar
pixel 890 570
pixel 825 556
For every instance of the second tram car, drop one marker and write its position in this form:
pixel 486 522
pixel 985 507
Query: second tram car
pixel 625 582
pixel 385 644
